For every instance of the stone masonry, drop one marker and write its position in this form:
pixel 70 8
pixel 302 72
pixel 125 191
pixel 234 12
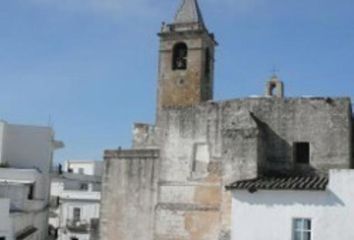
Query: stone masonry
pixel 170 186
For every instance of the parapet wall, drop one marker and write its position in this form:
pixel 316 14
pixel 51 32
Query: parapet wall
pixel 129 194
pixel 326 123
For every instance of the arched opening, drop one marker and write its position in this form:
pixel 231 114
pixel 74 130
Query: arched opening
pixel 180 54
pixel 272 88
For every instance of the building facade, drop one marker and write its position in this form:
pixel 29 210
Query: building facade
pixel 171 183
pixel 76 195
pixel 303 208
pixel 26 155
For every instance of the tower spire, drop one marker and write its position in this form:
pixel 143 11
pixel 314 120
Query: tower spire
pixel 189 12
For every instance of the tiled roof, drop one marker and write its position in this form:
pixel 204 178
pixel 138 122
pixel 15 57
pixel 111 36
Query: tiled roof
pixel 306 183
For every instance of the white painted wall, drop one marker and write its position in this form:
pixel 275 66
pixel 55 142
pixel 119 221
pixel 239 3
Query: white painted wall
pixel 17 212
pixel 88 167
pixel 66 187
pixel 269 214
pixel 28 153
pixel 37 219
pixel 5 226
pixel 27 146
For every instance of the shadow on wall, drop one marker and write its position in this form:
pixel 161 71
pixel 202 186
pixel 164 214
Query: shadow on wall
pixel 286 198
pixel 279 154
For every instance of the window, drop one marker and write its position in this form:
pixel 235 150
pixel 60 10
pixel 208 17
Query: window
pixel 70 170
pixel 302 229
pixel 30 192
pixel 74 238
pixel 2 238
pixel 83 186
pixel 180 53
pixel 302 152
pixel 77 214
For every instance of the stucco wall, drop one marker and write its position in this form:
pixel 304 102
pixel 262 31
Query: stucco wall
pixel 129 195
pixel 89 167
pixel 5 226
pixel 21 221
pixel 269 214
pixel 27 146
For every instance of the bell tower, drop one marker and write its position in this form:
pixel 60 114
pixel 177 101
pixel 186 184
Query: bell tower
pixel 186 59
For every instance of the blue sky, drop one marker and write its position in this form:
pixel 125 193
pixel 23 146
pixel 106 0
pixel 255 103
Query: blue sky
pixel 89 67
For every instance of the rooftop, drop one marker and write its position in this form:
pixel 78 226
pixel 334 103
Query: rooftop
pixel 304 183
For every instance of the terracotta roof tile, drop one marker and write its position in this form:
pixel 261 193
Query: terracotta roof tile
pixel 306 183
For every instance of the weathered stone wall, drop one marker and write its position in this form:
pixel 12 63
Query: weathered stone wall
pixel 190 189
pixel 181 196
pixel 145 136
pixel 129 195
pixel 185 87
pixel 211 144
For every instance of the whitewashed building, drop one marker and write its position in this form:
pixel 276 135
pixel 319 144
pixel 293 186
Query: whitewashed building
pixel 294 208
pixel 92 168
pixel 26 156
pixel 76 195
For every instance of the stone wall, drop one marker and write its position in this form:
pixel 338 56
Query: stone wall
pixel 178 193
pixel 190 86
pixel 129 195
pixel 145 136
pixel 212 144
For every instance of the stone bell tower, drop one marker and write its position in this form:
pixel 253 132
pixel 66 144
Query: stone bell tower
pixel 186 59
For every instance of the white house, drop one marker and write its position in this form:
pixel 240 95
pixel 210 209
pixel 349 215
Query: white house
pixel 294 208
pixel 76 196
pixel 26 155
pixel 93 168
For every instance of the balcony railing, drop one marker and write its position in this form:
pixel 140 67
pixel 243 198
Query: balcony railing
pixel 77 226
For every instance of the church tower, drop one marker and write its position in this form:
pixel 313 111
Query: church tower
pixel 186 59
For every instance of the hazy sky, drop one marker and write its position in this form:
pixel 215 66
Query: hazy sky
pixel 89 67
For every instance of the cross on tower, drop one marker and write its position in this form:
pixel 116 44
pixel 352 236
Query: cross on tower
pixel 274 71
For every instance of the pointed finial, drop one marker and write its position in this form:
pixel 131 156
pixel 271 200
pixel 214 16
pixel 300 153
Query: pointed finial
pixel 189 12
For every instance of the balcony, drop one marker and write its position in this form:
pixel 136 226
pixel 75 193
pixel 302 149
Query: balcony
pixel 78 226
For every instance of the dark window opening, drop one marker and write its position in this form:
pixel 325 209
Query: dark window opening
pixel 74 238
pixel 30 192
pixel 180 54
pixel 302 152
pixel 70 170
pixel 272 88
pixel 77 214
pixel 2 238
pixel 207 62
pixel 84 186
